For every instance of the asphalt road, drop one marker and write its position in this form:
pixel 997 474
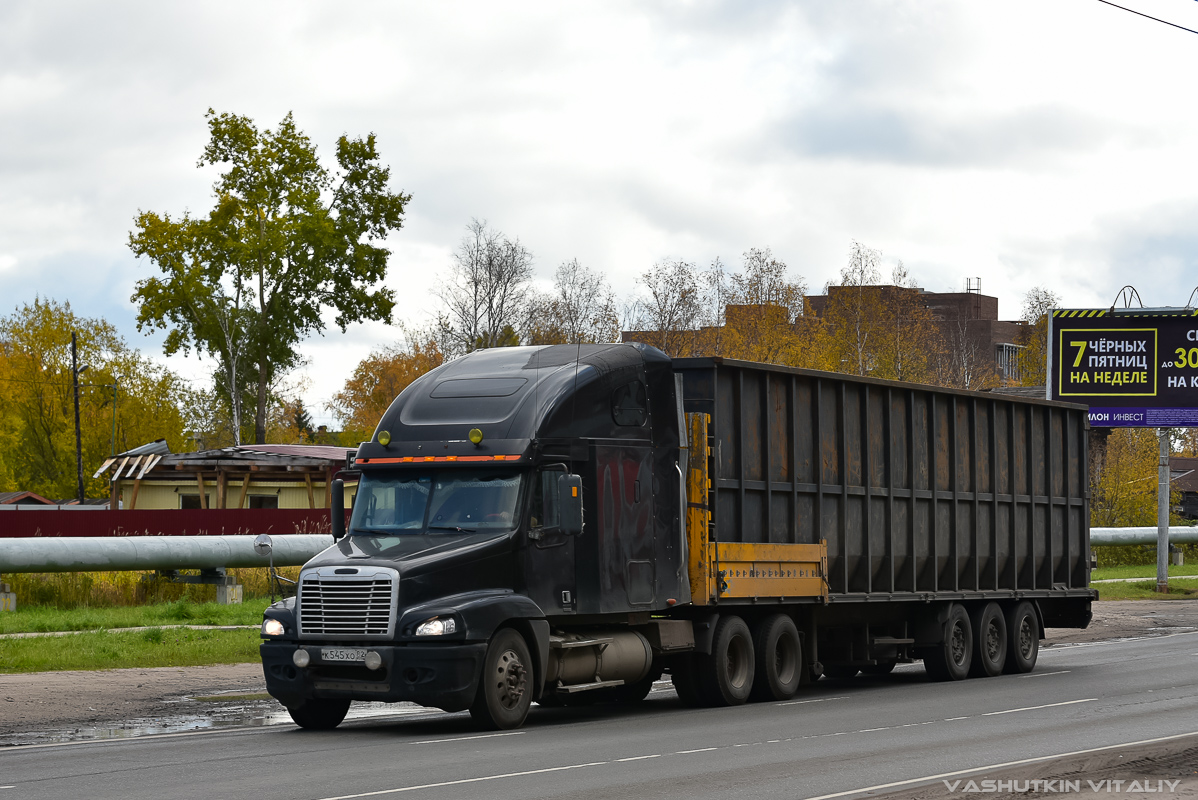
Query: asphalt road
pixel 835 738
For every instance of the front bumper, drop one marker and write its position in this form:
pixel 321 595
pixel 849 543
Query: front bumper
pixel 442 676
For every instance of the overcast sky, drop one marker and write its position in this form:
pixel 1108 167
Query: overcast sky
pixel 1026 142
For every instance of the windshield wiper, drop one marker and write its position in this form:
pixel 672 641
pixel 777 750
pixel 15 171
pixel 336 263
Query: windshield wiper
pixel 454 528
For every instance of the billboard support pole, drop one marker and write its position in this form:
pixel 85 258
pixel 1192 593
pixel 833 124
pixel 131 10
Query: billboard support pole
pixel 1162 514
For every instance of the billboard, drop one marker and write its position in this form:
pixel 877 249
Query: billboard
pixel 1133 367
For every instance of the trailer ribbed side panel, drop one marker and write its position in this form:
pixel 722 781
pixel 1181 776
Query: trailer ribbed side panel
pixel 916 489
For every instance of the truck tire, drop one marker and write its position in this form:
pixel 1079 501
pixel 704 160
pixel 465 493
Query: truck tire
pixel 989 641
pixel 686 681
pixel 726 676
pixel 505 688
pixel 778 652
pixel 950 660
pixel 319 714
pixel 1023 638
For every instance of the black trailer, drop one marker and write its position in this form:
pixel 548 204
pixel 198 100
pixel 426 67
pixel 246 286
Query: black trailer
pixel 564 524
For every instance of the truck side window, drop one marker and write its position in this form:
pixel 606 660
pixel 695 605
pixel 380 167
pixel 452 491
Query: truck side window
pixel 545 513
pixel 629 406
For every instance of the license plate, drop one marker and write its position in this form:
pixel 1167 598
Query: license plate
pixel 342 654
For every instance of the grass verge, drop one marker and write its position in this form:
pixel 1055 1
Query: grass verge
pixel 157 647
pixel 1142 572
pixel 34 619
pixel 1179 589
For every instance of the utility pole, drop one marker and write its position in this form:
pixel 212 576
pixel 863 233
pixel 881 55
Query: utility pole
pixel 76 370
pixel 112 445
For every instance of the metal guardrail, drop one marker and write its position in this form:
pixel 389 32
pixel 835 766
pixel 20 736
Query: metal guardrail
pixel 1116 537
pixel 117 553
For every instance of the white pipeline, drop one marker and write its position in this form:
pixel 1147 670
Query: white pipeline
pixel 104 553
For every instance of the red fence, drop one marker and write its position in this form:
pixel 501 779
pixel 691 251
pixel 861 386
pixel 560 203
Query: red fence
pixel 164 522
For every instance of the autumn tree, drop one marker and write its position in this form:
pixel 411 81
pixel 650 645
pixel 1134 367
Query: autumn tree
pixel 37 434
pixel 760 308
pixel 379 378
pixel 1038 304
pixel 581 309
pixel 287 239
pixel 671 314
pixel 488 291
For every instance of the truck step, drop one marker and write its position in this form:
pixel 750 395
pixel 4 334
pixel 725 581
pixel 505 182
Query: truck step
pixel 558 643
pixel 584 687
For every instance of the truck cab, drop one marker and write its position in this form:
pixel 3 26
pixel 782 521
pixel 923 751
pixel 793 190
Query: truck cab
pixel 505 495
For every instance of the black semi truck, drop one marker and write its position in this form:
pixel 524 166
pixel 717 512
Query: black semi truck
pixel 565 524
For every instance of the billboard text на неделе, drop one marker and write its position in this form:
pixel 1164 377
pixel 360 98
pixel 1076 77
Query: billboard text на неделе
pixel 1133 370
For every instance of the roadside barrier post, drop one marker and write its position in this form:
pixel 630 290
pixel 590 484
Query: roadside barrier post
pixel 1162 514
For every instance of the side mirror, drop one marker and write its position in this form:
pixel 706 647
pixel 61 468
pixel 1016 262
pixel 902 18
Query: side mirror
pixel 337 508
pixel 569 492
pixel 263 545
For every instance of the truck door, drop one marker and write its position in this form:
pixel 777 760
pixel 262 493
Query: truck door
pixel 549 556
pixel 627 568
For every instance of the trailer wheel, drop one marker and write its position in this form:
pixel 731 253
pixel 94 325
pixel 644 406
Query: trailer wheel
pixel 726 676
pixel 950 660
pixel 1023 638
pixel 504 690
pixel 989 641
pixel 319 714
pixel 779 659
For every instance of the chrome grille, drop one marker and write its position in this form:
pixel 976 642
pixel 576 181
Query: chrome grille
pixel 347 606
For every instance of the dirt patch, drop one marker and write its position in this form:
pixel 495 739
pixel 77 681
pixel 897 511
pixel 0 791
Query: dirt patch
pixel 55 700
pixel 1169 769
pixel 50 701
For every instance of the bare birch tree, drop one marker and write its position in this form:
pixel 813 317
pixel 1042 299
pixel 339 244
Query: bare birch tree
pixel 488 291
pixel 580 310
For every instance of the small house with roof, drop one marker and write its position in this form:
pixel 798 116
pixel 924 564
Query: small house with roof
pixel 247 476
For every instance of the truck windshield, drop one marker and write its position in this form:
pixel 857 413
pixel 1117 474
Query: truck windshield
pixel 446 501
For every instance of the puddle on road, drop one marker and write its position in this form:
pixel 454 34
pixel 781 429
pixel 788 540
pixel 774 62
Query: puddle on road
pixel 216 715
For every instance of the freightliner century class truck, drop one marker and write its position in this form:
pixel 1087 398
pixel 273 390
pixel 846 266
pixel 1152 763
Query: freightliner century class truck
pixel 566 524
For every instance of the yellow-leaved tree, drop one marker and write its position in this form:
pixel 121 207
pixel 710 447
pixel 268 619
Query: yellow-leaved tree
pixel 379 378
pixel 37 417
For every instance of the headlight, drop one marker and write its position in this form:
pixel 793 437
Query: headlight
pixel 272 627
pixel 437 627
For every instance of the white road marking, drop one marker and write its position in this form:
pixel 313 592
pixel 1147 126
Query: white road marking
pixel 1046 674
pixel 481 779
pixel 954 719
pixel 468 738
pixel 820 700
pixel 638 758
pixel 700 750
pixel 1034 708
pixel 988 767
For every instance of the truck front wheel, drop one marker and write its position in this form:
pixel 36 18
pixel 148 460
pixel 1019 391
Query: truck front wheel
pixel 319 714
pixel 950 660
pixel 505 688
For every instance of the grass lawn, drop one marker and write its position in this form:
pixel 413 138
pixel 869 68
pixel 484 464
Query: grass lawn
pixel 157 647
pixel 1148 571
pixel 1179 589
pixel 31 619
